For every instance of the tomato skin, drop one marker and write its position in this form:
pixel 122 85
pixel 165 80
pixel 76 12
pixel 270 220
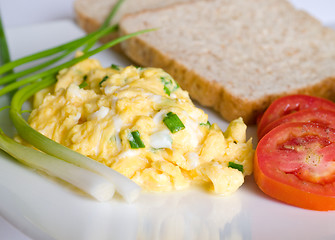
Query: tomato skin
pixel 286 186
pixel 292 103
pixel 320 116
pixel 294 196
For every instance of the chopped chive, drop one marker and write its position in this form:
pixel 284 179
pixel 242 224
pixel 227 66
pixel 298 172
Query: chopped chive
pixel 207 124
pixel 83 84
pixel 169 85
pixel 135 140
pixel 103 80
pixel 115 67
pixel 173 122
pixel 236 166
pixel 167 90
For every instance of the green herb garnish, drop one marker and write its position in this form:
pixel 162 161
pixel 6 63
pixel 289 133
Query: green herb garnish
pixel 169 85
pixel 103 80
pixel 28 85
pixel 115 67
pixel 83 84
pixel 207 124
pixel 173 123
pixel 135 140
pixel 236 166
pixel 138 67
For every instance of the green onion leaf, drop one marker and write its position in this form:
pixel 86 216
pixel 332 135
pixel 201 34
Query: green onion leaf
pixel 115 67
pixel 26 111
pixel 173 122
pixel 103 80
pixel 135 140
pixel 67 46
pixel 236 166
pixel 112 13
pixel 54 70
pixel 4 52
pixel 4 107
pixel 107 21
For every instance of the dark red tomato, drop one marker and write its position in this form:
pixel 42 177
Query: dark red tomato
pixel 295 163
pixel 320 116
pixel 292 103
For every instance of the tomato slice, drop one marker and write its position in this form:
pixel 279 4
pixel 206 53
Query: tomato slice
pixel 292 103
pixel 320 116
pixel 295 163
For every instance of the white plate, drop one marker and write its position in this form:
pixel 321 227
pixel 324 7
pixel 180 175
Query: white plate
pixel 44 208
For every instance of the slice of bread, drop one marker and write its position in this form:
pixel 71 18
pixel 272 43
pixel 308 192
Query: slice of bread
pixel 90 14
pixel 236 56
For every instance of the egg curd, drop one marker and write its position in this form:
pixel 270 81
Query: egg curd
pixel 139 122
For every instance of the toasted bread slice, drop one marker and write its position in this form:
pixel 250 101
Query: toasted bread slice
pixel 236 56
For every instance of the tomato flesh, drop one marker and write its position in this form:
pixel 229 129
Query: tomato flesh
pixel 311 161
pixel 295 163
pixel 321 116
pixel 290 104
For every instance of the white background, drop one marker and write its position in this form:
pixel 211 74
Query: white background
pixel 19 13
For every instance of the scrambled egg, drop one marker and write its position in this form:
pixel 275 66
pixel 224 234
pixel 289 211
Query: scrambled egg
pixel 139 122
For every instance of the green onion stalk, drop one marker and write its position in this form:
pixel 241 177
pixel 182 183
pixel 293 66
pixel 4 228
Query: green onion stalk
pixel 92 177
pixel 93 184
